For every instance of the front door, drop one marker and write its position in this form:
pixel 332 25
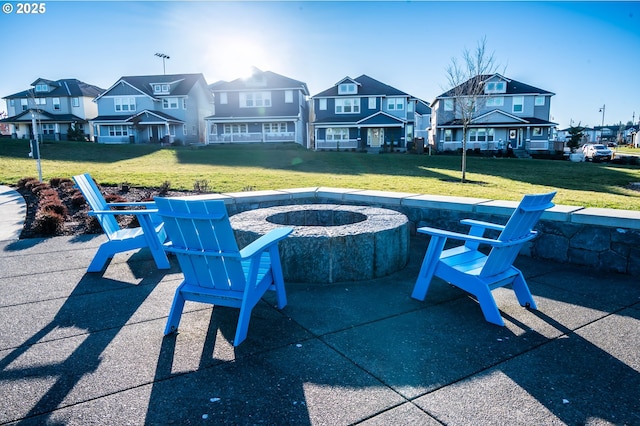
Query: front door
pixel 515 138
pixel 375 137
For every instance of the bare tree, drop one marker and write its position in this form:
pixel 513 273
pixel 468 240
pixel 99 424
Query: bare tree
pixel 466 80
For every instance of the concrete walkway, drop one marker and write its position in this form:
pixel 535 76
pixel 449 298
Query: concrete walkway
pixel 13 210
pixel 88 349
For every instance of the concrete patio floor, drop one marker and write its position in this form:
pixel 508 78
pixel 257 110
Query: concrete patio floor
pixel 82 349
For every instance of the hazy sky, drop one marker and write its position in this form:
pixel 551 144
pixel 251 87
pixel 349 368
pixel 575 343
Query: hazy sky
pixel 587 53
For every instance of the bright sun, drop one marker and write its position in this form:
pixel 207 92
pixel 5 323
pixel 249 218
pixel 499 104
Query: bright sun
pixel 235 58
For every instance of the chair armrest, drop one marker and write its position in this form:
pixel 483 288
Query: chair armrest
pixel 472 238
pixel 264 242
pixel 147 204
pixel 487 225
pixel 118 212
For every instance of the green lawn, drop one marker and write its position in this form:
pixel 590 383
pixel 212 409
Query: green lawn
pixel 232 168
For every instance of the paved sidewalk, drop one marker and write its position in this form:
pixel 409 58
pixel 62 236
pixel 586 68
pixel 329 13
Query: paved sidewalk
pixel 88 349
pixel 13 210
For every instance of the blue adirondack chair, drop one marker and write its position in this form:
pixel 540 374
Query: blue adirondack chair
pixel 215 270
pixel 478 274
pixel 149 234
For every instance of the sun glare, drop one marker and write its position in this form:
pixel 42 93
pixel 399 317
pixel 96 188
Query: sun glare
pixel 236 58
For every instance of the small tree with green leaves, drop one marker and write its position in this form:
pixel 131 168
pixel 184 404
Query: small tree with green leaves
pixel 576 135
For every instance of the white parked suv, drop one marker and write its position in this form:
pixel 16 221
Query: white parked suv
pixel 597 152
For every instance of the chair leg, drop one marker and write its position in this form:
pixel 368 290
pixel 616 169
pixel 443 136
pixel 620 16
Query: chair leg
pixel 243 325
pixel 488 305
pixel 429 264
pixel 522 291
pixel 176 312
pixel 102 256
pixel 278 278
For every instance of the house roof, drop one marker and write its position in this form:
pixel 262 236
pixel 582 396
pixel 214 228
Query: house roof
pixel 514 87
pixel 367 87
pixel 142 117
pixel 43 117
pixel 260 79
pixel 531 121
pixel 181 84
pixel 68 87
pixel 381 119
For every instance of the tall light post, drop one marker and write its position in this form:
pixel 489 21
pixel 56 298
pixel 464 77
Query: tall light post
pixel 163 56
pixel 602 125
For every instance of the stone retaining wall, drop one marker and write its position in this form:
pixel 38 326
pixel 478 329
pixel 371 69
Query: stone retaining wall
pixel 604 239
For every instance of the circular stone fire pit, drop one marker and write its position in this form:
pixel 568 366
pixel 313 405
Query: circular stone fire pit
pixel 331 243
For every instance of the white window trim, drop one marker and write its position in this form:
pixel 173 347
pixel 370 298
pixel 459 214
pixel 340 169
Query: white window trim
pixel 56 104
pixel 223 98
pixel 347 89
pixel 539 101
pixel 354 103
pixel 449 104
pixel 372 102
pixel 322 104
pixel 288 96
pixel 495 101
pixel 170 103
pixel 255 99
pixel 395 104
pixel 517 100
pixel 120 102
pixel 337 134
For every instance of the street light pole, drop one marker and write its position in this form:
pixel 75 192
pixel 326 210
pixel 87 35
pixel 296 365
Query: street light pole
pixel 602 125
pixel 163 56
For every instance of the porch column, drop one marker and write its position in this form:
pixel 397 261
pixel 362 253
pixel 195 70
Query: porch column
pixel 168 130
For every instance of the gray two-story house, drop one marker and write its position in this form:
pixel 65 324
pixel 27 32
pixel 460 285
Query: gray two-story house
pixel 56 107
pixel 265 107
pixel 365 114
pixel 507 112
pixel 154 109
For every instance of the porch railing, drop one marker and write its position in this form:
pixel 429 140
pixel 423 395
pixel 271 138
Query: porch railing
pixel 343 144
pixel 252 137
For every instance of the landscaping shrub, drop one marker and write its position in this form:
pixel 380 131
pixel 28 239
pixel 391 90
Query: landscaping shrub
pixel 48 222
pixel 77 199
pixel 22 183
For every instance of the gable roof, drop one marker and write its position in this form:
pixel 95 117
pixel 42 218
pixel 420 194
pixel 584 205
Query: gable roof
pixel 260 79
pixel 514 87
pixel 181 84
pixel 44 117
pixel 381 119
pixel 367 87
pixel 68 87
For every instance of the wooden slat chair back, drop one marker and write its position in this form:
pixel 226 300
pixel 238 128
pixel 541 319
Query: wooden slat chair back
pixel 215 270
pixel 471 270
pixel 149 234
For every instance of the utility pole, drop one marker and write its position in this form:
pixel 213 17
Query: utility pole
pixel 163 56
pixel 602 111
pixel 35 147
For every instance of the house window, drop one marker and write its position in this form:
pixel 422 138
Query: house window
pixel 337 134
pixel 56 103
pixel 170 103
pixel 448 104
pixel 348 106
pixel 347 89
pixel 40 101
pixel 274 127
pixel 12 102
pixel 409 132
pixel 172 130
pixel 494 101
pixel 448 135
pixel 395 104
pixel 322 104
pixel 184 103
pixel 184 129
pixel 75 102
pixel 288 96
pixel 42 88
pixel 372 102
pixel 518 103
pixel 223 98
pixel 537 131
pixel 48 129
pixel 235 128
pixel 160 88
pixel 125 104
pixel 25 104
pixel 118 130
pixel 256 99
pixel 410 106
pixel 213 129
pixel 491 132
pixel 539 101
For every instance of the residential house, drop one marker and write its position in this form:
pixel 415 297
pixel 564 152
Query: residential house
pixel 55 106
pixel 507 111
pixel 365 114
pixel 154 109
pixel 265 107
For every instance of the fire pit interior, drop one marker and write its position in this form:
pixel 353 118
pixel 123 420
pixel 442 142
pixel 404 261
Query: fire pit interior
pixel 331 243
